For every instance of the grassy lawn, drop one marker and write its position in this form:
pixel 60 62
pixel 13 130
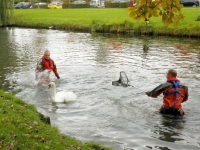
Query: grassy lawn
pixel 115 19
pixel 82 17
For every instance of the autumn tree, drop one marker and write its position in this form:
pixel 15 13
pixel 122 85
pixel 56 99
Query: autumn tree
pixel 169 10
pixel 6 12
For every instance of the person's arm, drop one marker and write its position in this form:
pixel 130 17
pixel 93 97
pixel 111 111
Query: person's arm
pixel 185 98
pixel 55 70
pixel 156 91
pixel 186 94
pixel 39 67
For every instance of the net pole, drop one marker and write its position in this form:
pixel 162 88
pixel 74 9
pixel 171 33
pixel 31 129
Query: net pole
pixel 139 89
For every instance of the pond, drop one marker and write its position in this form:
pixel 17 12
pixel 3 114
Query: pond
pixel 115 116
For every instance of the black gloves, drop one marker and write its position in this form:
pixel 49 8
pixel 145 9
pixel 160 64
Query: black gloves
pixel 58 76
pixel 148 93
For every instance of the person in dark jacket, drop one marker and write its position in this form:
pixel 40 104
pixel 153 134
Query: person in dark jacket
pixel 46 63
pixel 174 93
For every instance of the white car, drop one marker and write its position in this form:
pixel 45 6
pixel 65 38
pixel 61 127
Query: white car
pixel 119 1
pixel 97 3
pixel 42 3
pixel 79 2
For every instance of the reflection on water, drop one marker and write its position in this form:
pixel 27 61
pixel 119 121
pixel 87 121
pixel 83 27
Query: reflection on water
pixel 170 134
pixel 123 118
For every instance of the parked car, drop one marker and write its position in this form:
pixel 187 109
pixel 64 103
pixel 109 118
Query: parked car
pixel 193 3
pixel 118 1
pixel 23 5
pixel 42 3
pixel 97 3
pixel 94 3
pixel 55 5
pixel 79 2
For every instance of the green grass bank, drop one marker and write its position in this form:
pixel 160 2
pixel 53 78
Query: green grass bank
pixel 109 20
pixel 22 129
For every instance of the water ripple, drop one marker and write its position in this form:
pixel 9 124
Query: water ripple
pixel 123 118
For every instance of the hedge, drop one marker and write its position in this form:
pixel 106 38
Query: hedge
pixel 87 5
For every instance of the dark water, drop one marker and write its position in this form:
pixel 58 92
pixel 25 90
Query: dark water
pixel 123 118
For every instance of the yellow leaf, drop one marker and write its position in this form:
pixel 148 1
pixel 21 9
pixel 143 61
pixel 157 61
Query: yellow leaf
pixel 168 1
pixel 143 1
pixel 150 11
pixel 179 6
pixel 146 15
pixel 174 10
pixel 164 5
pixel 130 9
pixel 149 1
pixel 156 14
pixel 164 16
pixel 170 10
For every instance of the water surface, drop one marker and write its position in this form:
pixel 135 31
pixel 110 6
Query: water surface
pixel 123 118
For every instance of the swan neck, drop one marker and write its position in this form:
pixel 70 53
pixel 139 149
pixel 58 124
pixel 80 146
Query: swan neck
pixel 53 92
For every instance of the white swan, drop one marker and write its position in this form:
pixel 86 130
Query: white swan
pixel 61 96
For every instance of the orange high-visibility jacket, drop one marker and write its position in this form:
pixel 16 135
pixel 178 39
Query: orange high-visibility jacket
pixel 46 64
pixel 169 100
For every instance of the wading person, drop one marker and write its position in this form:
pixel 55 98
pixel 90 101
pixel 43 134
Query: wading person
pixel 174 94
pixel 46 63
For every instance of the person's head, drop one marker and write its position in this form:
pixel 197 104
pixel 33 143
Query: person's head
pixel 47 54
pixel 171 73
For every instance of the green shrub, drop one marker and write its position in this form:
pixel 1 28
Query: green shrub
pixel 75 6
pixel 117 5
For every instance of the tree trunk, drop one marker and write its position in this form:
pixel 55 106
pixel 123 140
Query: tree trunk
pixel 6 12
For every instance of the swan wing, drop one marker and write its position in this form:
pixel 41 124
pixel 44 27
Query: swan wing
pixel 65 96
pixel 70 96
pixel 60 97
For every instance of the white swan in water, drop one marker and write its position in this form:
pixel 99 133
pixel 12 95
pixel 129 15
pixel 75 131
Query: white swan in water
pixel 61 96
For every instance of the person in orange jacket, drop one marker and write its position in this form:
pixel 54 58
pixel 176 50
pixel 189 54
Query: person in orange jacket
pixel 46 63
pixel 174 93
